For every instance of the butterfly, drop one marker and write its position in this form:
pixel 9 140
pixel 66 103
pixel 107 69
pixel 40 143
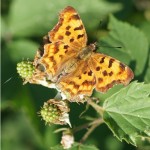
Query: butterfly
pixel 74 66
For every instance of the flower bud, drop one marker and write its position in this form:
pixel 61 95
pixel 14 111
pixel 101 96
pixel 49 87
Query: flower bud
pixel 67 139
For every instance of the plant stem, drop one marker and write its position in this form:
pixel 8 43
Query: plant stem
pixel 95 124
pixel 86 125
pixel 98 108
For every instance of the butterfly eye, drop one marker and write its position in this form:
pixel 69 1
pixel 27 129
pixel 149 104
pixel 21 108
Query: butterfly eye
pixel 41 68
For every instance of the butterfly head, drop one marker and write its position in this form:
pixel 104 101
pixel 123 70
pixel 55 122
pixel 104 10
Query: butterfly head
pixel 93 46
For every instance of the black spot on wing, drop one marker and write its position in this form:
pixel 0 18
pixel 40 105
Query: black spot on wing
pixel 102 60
pixel 105 73
pixel 68 27
pixel 122 66
pixel 98 68
pixel 66 46
pixel 78 28
pixel 110 73
pixel 75 17
pixel 111 62
pixel 80 36
pixel 71 40
pixel 90 73
pixel 67 33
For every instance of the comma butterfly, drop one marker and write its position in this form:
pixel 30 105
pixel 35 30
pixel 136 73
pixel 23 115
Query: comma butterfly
pixel 73 65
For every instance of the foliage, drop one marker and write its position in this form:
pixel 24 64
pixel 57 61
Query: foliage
pixel 127 112
pixel 124 110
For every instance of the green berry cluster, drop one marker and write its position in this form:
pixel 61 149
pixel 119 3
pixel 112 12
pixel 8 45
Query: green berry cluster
pixel 50 113
pixel 25 69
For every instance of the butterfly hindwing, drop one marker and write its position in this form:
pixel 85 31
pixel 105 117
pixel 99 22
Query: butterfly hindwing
pixel 79 82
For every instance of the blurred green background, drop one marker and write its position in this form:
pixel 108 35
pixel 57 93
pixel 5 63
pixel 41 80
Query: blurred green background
pixel 23 24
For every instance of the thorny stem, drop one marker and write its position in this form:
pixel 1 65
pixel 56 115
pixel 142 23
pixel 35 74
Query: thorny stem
pixel 93 124
pixel 96 123
pixel 86 125
pixel 98 108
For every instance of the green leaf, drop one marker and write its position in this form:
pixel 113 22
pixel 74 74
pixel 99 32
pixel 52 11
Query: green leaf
pixel 28 18
pixel 147 75
pixel 49 134
pixel 16 130
pixel 145 27
pixel 127 112
pixel 76 146
pixel 111 91
pixel 133 42
pixel 22 48
pixel 24 100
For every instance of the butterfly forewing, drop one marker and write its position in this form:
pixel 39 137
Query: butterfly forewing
pixel 55 56
pixel 109 71
pixel 69 29
pixel 67 39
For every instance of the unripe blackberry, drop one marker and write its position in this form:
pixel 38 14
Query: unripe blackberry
pixel 50 113
pixel 55 112
pixel 25 69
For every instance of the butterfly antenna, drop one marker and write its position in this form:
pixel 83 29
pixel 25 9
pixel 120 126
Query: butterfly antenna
pixel 110 46
pixel 9 79
pixel 99 45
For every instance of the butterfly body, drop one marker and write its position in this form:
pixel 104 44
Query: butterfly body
pixel 86 52
pixel 73 65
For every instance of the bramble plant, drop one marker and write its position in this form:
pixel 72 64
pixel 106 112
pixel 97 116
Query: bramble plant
pixel 41 114
pixel 126 112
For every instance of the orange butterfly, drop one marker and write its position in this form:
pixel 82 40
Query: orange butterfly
pixel 73 65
